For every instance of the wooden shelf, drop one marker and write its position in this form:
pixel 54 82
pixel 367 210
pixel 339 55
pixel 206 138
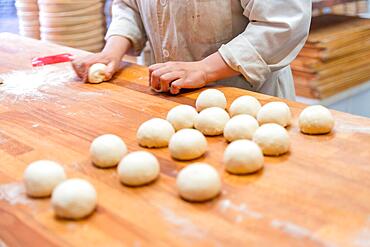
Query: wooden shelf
pixel 319 4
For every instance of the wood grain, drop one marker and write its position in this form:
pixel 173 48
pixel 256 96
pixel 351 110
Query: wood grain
pixel 317 195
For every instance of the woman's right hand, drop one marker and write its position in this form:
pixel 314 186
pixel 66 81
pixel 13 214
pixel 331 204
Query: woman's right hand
pixel 81 65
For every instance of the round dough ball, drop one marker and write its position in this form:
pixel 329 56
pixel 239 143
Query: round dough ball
pixel 210 98
pixel 41 177
pixel 211 121
pixel 316 119
pixel 198 182
pixel 138 168
pixel 96 73
pixel 272 138
pixel 187 144
pixel 242 157
pixel 245 105
pixel 240 127
pixel 275 112
pixel 155 133
pixel 182 116
pixel 107 150
pixel 74 199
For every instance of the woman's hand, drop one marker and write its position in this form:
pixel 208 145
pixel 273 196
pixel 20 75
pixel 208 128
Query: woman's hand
pixel 115 48
pixel 82 65
pixel 172 76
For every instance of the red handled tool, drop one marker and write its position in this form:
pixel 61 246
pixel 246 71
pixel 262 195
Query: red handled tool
pixel 60 58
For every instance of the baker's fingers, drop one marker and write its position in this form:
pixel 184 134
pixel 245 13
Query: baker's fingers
pixel 166 79
pixel 176 86
pixel 154 67
pixel 79 67
pixel 110 70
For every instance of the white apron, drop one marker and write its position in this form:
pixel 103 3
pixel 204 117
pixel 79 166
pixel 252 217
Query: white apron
pixel 258 38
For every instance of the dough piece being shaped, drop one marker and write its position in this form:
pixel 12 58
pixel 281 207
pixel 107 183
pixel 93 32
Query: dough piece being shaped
pixel 138 168
pixel 211 121
pixel 198 182
pixel 273 139
pixel 240 127
pixel 107 150
pixel 155 133
pixel 315 120
pixel 182 116
pixel 245 105
pixel 210 98
pixel 275 112
pixel 74 199
pixel 42 176
pixel 187 144
pixel 243 157
pixel 96 73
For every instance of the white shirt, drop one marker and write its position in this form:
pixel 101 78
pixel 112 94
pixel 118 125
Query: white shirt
pixel 258 38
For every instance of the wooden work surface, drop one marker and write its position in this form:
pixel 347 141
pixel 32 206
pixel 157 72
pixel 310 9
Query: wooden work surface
pixel 317 195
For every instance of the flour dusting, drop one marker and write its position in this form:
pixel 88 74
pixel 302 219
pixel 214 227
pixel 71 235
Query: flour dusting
pixel 2 244
pixel 297 231
pixel 185 226
pixel 31 83
pixel 13 193
pixel 348 128
pixel 242 209
pixel 362 239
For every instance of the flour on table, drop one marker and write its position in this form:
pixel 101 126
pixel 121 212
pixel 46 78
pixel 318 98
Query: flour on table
pixel 185 226
pixel 241 210
pixel 31 83
pixel 362 238
pixel 297 231
pixel 13 193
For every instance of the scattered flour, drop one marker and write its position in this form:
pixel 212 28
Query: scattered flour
pixel 242 210
pixel 362 239
pixel 185 226
pixel 349 128
pixel 30 83
pixel 13 193
pixel 2 244
pixel 297 231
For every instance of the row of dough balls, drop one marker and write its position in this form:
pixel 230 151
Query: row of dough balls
pixel 196 182
pixel 264 124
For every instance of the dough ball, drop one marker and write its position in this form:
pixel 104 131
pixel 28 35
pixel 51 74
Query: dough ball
pixel 242 157
pixel 96 73
pixel 272 138
pixel 138 168
pixel 245 105
pixel 275 112
pixel 211 121
pixel 155 133
pixel 107 150
pixel 182 116
pixel 41 177
pixel 210 98
pixel 187 144
pixel 240 127
pixel 198 182
pixel 316 119
pixel 74 199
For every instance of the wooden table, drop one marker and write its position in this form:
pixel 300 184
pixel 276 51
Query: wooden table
pixel 317 195
pixel 319 4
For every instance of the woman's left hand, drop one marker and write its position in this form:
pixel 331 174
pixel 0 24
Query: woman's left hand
pixel 172 76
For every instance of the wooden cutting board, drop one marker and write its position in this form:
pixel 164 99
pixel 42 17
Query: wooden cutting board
pixel 317 195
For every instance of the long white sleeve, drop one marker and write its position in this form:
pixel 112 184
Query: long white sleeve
pixel 276 33
pixel 126 22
